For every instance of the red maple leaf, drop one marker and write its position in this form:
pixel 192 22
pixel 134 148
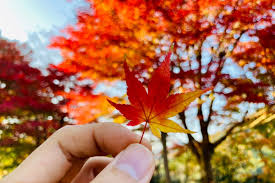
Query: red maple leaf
pixel 155 106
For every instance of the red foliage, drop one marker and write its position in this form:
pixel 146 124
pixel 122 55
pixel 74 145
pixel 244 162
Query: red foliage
pixel 26 95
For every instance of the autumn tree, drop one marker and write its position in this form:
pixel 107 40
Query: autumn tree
pixel 29 105
pixel 245 156
pixel 226 45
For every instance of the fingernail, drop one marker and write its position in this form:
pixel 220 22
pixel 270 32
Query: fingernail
pixel 136 161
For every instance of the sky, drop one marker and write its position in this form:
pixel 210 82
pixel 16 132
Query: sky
pixel 19 18
pixel 35 22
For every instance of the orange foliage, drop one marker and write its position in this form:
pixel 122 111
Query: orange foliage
pixel 143 30
pixel 85 108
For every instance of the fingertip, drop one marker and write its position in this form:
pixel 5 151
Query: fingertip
pixel 135 164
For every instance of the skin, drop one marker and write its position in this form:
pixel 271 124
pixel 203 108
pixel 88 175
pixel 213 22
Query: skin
pixel 77 154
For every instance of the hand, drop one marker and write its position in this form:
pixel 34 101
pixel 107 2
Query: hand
pixel 76 154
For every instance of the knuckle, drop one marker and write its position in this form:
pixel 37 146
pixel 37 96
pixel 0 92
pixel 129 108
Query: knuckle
pixel 64 130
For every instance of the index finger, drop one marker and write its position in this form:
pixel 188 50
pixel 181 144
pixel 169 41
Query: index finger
pixel 50 162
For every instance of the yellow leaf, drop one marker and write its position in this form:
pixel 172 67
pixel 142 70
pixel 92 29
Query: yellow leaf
pixel 119 119
pixel 155 130
pixel 166 125
pixel 178 102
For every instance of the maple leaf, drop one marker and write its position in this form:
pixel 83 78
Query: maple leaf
pixel 155 106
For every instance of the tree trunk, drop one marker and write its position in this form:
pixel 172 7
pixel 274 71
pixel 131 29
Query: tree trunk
pixel 165 158
pixel 206 166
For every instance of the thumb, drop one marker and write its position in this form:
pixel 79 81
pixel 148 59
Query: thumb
pixel 133 165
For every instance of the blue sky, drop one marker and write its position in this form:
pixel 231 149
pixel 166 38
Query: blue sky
pixel 36 22
pixel 18 18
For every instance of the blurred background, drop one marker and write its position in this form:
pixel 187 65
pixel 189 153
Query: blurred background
pixel 60 60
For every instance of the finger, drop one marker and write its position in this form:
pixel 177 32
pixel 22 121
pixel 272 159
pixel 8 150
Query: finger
pixel 52 160
pixel 91 168
pixel 133 165
pixel 77 164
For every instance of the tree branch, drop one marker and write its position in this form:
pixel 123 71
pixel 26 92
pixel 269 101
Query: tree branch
pixel 222 58
pixel 210 111
pixel 165 158
pixel 229 131
pixel 191 139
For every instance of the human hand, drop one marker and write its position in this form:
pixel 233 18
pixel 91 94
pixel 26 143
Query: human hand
pixel 76 154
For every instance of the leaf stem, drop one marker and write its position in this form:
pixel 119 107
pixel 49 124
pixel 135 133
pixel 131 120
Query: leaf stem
pixel 143 132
